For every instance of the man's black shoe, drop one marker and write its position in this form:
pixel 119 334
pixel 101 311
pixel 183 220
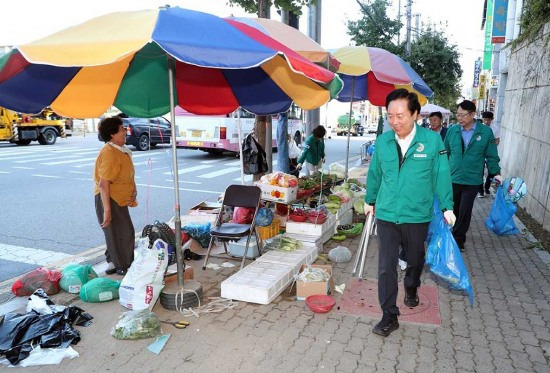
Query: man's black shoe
pixel 461 246
pixel 189 255
pixel 411 297
pixel 110 271
pixel 121 271
pixel 387 325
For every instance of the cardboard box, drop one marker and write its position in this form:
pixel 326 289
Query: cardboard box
pixel 277 193
pixel 206 207
pixel 305 289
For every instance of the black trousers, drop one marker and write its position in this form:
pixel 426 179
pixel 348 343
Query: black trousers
pixel 463 198
pixel 119 235
pixel 410 237
pixel 483 188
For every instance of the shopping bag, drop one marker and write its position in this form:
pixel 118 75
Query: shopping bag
pixel 445 261
pixel 501 218
pixel 74 276
pixel 143 283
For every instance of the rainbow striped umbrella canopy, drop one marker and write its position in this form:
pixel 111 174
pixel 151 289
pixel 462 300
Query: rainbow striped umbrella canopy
pixel 376 72
pixel 294 39
pixel 122 59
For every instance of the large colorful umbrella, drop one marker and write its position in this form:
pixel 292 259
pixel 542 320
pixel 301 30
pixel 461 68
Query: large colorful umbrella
pixel 120 59
pixel 430 108
pixel 145 62
pixel 376 72
pixel 371 74
pixel 294 39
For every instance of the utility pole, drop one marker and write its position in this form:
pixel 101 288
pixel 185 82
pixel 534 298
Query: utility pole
pixel 399 19
pixel 408 15
pixel 417 26
pixel 313 117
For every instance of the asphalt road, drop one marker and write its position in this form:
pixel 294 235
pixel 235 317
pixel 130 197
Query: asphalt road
pixel 47 192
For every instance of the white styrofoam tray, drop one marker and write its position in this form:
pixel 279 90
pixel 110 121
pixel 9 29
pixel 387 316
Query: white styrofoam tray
pixel 259 282
pixel 346 218
pixel 307 254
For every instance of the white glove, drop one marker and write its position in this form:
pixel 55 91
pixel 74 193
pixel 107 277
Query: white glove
pixel 299 167
pixel 450 217
pixel 369 209
pixel 498 178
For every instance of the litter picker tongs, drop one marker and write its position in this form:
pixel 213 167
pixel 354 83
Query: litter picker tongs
pixel 361 256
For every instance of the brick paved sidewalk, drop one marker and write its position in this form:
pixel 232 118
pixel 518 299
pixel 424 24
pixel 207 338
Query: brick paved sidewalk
pixel 507 330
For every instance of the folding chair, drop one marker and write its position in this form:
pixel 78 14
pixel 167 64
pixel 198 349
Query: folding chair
pixel 236 196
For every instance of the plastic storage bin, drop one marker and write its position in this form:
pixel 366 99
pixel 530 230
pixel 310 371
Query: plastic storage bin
pixel 270 231
pixel 237 248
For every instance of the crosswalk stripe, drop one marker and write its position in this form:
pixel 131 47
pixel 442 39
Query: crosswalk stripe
pixel 68 161
pixel 184 182
pixel 234 163
pixel 247 178
pixel 214 174
pixel 23 167
pixel 186 170
pixel 5 172
pixel 211 161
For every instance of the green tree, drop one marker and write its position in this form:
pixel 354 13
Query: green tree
pixel 261 7
pixel 432 56
pixel 375 28
pixel 436 61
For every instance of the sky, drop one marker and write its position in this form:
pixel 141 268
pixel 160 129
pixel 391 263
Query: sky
pixel 26 20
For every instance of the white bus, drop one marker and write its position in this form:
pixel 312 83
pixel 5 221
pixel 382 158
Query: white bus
pixel 219 133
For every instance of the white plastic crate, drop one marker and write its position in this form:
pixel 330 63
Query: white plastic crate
pixel 329 233
pixel 344 207
pixel 315 240
pixel 259 282
pixel 307 254
pixel 310 229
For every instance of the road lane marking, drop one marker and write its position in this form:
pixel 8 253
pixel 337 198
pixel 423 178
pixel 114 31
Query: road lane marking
pixel 79 172
pixel 23 167
pixel 182 189
pixel 5 172
pixel 185 182
pixel 49 176
pixel 214 174
pixel 186 170
pixel 247 178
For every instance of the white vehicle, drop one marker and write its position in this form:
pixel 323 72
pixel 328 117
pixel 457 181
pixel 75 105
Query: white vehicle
pixel 219 133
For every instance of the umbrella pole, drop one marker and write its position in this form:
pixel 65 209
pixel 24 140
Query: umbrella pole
pixel 240 133
pixel 349 124
pixel 177 221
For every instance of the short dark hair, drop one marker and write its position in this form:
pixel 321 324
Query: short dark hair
pixel 319 132
pixel 108 127
pixel 436 114
pixel 487 115
pixel 402 94
pixel 467 105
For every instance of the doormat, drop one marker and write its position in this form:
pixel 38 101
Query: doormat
pixel 361 299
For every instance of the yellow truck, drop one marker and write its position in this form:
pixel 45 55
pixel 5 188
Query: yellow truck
pixel 21 129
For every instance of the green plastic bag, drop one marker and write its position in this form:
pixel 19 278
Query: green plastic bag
pixel 74 276
pixel 100 289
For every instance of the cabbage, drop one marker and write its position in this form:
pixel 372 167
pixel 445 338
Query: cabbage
pixel 359 206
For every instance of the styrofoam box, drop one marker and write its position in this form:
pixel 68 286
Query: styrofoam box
pixel 329 233
pixel 310 228
pixel 316 240
pixel 237 248
pixel 307 254
pixel 259 282
pixel 269 193
pixel 344 207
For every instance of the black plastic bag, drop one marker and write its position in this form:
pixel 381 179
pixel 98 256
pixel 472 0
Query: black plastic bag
pixel 254 158
pixel 19 332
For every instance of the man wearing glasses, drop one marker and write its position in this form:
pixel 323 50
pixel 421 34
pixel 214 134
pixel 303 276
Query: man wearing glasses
pixel 469 145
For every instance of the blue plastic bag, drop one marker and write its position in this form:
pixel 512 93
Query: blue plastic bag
pixel 264 217
pixel 199 232
pixel 500 220
pixel 438 215
pixel 445 261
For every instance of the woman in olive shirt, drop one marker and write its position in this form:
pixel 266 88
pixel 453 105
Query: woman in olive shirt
pixel 115 190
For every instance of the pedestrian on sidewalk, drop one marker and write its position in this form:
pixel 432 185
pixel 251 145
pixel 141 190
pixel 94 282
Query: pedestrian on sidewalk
pixel 115 190
pixel 436 119
pixel 313 151
pixel 487 118
pixel 408 168
pixel 469 146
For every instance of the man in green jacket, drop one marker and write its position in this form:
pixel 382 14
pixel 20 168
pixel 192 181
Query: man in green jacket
pixel 469 145
pixel 408 168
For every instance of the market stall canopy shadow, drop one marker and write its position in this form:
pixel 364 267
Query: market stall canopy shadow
pixel 121 59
